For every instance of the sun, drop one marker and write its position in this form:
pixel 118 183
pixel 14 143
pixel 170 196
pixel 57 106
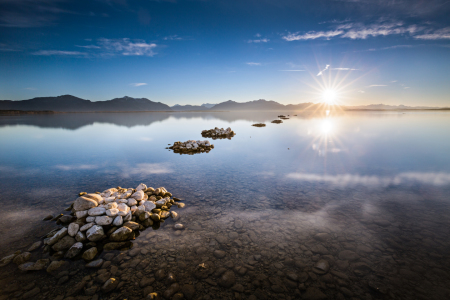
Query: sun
pixel 329 96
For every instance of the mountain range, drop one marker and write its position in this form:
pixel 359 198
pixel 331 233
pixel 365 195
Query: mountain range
pixel 69 103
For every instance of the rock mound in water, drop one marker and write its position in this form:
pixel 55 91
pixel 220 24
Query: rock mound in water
pixel 107 220
pixel 276 121
pixel 219 133
pixel 192 147
pixel 259 125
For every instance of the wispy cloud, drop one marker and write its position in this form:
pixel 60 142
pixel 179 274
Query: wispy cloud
pixel 173 38
pixel 127 47
pixel 344 180
pixel 258 41
pixel 344 69
pixel 377 85
pixel 30 13
pixel 291 70
pixel 146 169
pixel 321 72
pixel 89 46
pixel 59 53
pixel 312 35
pixel 440 34
pixel 76 167
pixel 362 31
pixel 253 64
pixel 138 84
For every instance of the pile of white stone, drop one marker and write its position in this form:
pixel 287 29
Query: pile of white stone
pixel 192 146
pixel 218 133
pixel 105 220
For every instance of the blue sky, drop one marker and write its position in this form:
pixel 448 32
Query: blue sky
pixel 369 51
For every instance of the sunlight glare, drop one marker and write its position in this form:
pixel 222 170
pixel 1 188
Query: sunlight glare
pixel 329 96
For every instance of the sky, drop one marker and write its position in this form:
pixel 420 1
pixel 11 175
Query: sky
pixel 209 51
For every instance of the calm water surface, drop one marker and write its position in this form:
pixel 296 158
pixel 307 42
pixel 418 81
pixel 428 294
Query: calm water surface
pixel 338 206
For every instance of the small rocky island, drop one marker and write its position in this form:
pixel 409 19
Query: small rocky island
pixel 219 133
pixel 192 147
pixel 276 121
pixel 99 221
pixel 259 125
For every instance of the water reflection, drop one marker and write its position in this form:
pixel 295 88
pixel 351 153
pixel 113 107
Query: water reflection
pixel 371 223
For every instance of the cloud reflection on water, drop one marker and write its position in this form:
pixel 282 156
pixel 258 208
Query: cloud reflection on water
pixel 343 180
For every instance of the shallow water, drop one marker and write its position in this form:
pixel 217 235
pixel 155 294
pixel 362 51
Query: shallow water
pixel 366 192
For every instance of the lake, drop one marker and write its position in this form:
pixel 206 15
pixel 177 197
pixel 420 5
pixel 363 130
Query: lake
pixel 350 205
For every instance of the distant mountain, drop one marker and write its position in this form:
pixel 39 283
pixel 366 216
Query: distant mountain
pixel 188 107
pixel 208 105
pixel 69 103
pixel 260 104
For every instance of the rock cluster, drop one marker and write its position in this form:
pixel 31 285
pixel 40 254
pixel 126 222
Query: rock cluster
pixel 107 220
pixel 259 125
pixel 191 147
pixel 219 133
pixel 276 121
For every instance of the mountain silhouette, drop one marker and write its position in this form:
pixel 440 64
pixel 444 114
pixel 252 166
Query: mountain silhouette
pixel 69 103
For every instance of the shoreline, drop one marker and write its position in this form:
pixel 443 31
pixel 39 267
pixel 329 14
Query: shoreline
pixel 51 112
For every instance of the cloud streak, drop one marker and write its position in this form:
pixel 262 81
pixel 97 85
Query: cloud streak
pixel 59 53
pixel 258 41
pixel 253 64
pixel 138 84
pixel 357 31
pixel 345 180
pixel 127 47
pixel 321 72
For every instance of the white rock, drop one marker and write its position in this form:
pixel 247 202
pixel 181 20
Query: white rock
pixel 90 219
pixel 73 229
pixel 95 233
pixel 123 201
pixel 118 221
pixel 109 200
pixel 160 202
pixel 81 214
pixel 87 226
pixel 60 234
pixel 139 195
pixel 103 220
pixel 123 207
pixel 97 211
pixel 109 192
pixel 112 212
pixel 148 206
pixel 127 217
pixel 132 202
pixel 141 187
pixel 133 208
pixel 139 210
pixel 80 237
pixel 111 205
pixel 125 195
pixel 101 201
pixel 84 203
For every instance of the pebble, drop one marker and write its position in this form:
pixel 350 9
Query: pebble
pixel 95 263
pixel 90 253
pixel 34 246
pixel 74 250
pixel 95 233
pixel 73 229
